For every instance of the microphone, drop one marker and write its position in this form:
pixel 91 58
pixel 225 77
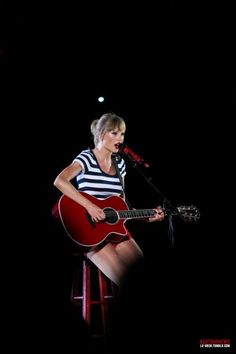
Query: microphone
pixel 133 156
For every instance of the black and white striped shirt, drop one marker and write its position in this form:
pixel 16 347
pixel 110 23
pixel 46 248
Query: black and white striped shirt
pixel 96 182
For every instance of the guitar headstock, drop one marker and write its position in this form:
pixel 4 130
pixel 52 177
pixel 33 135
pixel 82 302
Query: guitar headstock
pixel 188 212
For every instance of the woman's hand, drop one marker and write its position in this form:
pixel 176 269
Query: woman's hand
pixel 159 215
pixel 96 213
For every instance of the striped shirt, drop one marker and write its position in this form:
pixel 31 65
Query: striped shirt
pixel 94 181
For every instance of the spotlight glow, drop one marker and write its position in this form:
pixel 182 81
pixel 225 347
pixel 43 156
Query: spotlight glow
pixel 100 99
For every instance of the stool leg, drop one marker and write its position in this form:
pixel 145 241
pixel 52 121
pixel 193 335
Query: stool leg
pixel 85 295
pixel 76 288
pixel 86 309
pixel 104 299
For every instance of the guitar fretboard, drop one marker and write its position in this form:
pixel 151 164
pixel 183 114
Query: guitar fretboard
pixel 139 214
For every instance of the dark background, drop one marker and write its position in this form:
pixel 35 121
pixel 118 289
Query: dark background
pixel 168 71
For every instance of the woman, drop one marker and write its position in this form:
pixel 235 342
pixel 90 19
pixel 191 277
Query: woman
pixel 96 175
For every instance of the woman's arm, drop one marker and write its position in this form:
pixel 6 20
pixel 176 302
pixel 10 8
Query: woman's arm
pixel 63 183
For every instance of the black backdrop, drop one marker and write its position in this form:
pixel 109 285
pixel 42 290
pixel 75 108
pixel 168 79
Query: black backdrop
pixel 163 70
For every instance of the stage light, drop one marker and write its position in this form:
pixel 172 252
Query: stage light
pixel 100 99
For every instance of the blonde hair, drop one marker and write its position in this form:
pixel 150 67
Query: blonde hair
pixel 106 123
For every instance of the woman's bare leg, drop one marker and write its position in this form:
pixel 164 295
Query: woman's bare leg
pixel 108 261
pixel 114 262
pixel 129 252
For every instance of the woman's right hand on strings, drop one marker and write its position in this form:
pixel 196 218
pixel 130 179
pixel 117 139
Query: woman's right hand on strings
pixel 96 213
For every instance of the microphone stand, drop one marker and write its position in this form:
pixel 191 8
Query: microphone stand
pixel 168 207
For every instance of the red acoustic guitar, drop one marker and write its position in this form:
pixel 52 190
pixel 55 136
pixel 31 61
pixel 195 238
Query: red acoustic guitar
pixel 85 232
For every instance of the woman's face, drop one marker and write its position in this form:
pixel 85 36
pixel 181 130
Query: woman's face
pixel 112 139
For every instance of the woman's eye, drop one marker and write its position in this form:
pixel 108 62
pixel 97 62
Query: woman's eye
pixel 116 133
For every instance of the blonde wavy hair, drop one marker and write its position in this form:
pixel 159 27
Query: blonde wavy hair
pixel 106 123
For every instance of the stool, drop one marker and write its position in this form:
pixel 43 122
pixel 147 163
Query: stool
pixel 94 292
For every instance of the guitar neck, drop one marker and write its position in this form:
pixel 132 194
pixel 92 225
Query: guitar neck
pixel 143 213
pixel 136 213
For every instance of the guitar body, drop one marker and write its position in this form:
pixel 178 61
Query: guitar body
pixel 81 229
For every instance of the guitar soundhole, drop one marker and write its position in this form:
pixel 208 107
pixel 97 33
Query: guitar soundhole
pixel 111 215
